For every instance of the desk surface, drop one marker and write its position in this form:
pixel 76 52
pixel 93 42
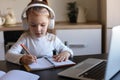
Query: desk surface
pixel 49 74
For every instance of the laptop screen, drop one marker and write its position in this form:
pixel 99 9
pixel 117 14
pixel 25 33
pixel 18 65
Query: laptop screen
pixel 113 65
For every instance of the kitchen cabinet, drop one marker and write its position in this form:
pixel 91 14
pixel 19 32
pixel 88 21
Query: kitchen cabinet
pixel 2 53
pixel 12 28
pixel 83 41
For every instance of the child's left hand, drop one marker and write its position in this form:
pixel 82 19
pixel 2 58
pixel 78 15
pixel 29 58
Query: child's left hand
pixel 63 56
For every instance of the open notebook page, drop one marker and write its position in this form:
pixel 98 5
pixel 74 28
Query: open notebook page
pixel 2 73
pixel 19 75
pixel 58 64
pixel 41 63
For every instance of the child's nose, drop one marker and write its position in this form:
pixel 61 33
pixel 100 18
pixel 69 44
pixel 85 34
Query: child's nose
pixel 39 28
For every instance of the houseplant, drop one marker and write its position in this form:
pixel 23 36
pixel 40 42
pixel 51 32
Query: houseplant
pixel 72 12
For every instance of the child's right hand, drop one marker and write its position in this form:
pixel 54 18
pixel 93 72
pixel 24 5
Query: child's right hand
pixel 28 59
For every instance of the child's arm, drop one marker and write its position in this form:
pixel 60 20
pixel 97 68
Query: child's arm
pixel 63 51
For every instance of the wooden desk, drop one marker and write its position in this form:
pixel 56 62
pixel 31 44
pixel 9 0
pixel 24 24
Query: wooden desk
pixel 50 74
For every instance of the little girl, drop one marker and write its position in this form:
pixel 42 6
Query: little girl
pixel 39 17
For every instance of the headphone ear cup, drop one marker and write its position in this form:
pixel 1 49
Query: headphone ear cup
pixel 25 24
pixel 52 24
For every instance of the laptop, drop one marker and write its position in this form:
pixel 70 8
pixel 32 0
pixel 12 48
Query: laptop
pixel 99 69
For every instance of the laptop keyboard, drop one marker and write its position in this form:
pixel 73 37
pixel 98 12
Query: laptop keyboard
pixel 96 72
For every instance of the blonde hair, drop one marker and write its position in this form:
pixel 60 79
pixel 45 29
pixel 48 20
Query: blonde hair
pixel 37 10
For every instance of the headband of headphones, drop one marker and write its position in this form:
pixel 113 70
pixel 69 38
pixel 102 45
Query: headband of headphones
pixel 24 16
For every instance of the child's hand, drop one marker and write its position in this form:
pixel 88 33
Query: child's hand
pixel 63 56
pixel 28 59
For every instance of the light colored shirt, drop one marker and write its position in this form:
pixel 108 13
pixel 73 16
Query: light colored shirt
pixel 38 47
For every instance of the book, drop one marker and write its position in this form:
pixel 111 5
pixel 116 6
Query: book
pixel 46 63
pixel 18 75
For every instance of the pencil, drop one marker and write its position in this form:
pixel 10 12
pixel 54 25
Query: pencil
pixel 25 48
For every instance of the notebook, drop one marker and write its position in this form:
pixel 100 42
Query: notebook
pixel 18 75
pixel 46 63
pixel 98 69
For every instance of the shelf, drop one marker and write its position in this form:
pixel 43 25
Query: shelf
pixel 14 27
pixel 58 25
pixel 90 25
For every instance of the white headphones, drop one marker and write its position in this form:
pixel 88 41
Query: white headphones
pixel 24 17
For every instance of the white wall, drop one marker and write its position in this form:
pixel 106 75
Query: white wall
pixel 91 7
pixel 59 6
pixel 17 5
pixel 113 13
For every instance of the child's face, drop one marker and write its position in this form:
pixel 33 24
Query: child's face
pixel 38 24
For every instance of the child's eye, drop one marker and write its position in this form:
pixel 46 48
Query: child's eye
pixel 43 25
pixel 34 25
